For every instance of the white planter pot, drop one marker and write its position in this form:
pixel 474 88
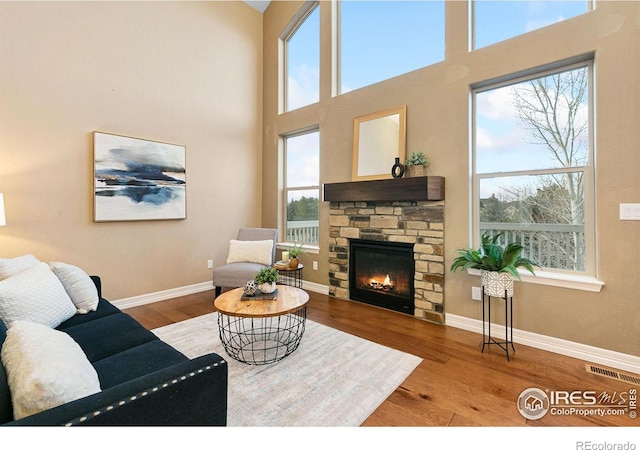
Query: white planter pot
pixel 267 288
pixel 497 283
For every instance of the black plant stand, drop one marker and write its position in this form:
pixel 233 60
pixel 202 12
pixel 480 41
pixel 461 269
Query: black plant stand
pixel 508 323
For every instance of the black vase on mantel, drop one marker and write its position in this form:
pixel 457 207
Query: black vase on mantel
pixel 397 171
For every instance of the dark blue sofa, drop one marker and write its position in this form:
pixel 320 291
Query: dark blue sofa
pixel 144 381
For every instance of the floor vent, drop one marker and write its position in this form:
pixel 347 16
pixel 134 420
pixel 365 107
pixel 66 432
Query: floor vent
pixel 609 373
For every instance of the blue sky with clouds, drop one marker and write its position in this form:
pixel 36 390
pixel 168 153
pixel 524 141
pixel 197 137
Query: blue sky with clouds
pixel 382 39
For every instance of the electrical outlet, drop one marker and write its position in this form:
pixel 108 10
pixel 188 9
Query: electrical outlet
pixel 210 264
pixel 629 211
pixel 476 293
pixel 315 265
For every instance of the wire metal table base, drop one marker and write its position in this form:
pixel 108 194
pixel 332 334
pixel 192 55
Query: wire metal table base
pixel 262 340
pixel 291 277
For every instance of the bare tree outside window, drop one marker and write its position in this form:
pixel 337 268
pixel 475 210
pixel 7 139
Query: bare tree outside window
pixel 537 197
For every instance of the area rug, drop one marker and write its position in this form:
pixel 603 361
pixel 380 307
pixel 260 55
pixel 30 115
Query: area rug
pixel 333 379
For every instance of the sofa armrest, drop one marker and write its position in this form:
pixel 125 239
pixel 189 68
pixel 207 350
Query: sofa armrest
pixel 193 392
pixel 98 282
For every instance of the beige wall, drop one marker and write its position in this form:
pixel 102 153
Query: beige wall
pixel 188 73
pixel 437 99
pixel 191 74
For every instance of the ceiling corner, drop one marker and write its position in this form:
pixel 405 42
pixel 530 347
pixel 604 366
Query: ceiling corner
pixel 260 5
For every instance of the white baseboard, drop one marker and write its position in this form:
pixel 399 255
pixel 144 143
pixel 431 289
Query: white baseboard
pixel 588 353
pixel 153 297
pixel 159 296
pixel 315 287
pixel 584 352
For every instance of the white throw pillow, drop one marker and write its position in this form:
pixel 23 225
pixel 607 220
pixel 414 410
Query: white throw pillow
pixel 79 286
pixel 45 368
pixel 12 266
pixel 258 252
pixel 37 295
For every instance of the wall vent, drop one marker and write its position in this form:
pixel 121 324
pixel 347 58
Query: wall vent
pixel 614 374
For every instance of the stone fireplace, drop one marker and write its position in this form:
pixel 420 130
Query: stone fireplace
pixel 399 215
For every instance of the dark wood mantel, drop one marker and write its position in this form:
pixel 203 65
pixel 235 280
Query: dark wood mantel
pixel 396 189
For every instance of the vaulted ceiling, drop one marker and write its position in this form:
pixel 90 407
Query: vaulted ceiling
pixel 260 5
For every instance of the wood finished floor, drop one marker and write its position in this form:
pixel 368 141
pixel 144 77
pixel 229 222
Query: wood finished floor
pixel 455 385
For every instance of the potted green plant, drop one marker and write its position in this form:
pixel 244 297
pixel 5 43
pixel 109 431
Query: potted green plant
pixel 498 265
pixel 294 254
pixel 416 164
pixel 266 279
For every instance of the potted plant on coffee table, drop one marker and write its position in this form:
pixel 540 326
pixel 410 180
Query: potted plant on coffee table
pixel 294 254
pixel 416 164
pixel 266 279
pixel 498 265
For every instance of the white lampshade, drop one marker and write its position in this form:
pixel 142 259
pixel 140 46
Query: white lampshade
pixel 3 221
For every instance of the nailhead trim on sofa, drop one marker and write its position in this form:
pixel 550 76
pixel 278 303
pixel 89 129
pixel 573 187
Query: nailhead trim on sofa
pixel 133 398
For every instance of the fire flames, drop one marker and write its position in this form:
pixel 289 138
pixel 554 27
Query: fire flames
pixel 386 285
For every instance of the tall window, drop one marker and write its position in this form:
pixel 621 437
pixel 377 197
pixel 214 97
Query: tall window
pixel 383 39
pixel 518 17
pixel 302 56
pixel 302 187
pixel 533 166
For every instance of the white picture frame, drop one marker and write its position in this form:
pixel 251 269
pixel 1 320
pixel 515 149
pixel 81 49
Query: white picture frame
pixel 137 179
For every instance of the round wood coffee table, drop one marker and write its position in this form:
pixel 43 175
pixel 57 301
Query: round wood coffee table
pixel 260 331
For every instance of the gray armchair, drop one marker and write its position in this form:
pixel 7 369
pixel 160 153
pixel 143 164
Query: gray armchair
pixel 236 274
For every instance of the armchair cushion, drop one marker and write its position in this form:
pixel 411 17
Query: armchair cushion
pixel 258 252
pixel 260 234
pixel 236 274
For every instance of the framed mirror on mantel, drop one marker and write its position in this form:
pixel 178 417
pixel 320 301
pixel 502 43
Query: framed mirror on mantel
pixel 378 139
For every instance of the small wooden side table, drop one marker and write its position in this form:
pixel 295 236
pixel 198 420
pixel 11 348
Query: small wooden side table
pixel 291 276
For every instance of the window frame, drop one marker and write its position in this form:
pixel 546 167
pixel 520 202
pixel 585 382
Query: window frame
pixel 586 280
pixel 289 32
pixel 591 5
pixel 337 51
pixel 312 247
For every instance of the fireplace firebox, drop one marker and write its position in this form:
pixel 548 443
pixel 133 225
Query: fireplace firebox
pixel 381 273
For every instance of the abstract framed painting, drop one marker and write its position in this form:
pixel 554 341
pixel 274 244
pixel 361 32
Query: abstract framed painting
pixel 137 179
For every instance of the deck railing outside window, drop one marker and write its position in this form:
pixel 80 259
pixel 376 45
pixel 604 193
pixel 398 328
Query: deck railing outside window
pixel 303 231
pixel 558 246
